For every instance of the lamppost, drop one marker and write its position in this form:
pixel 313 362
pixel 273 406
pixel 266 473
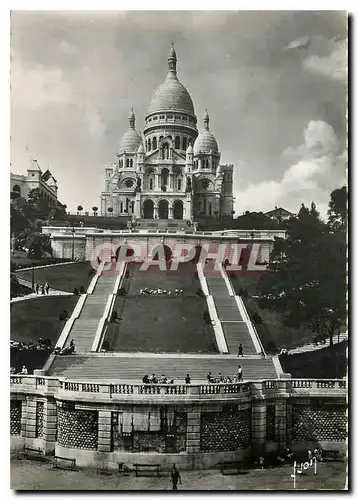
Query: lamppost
pixel 33 278
pixel 73 243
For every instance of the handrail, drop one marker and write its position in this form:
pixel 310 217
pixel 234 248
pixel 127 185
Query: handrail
pixel 69 323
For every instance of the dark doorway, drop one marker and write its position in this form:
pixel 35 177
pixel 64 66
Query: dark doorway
pixel 178 209
pixel 148 209
pixel 163 209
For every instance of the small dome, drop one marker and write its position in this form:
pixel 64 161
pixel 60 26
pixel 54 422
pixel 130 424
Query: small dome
pixel 141 148
pixel 189 149
pixel 205 142
pixel 130 141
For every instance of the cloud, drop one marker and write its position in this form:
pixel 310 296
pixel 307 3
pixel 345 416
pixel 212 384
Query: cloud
pixel 299 43
pixel 38 86
pixel 333 66
pixel 320 169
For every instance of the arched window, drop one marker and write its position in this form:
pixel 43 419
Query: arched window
pixel 121 206
pixel 170 137
pixel 179 184
pixel 177 142
pixel 131 163
pixel 154 143
pixel 210 209
pixel 161 137
pixel 207 163
pixel 149 144
pixel 164 177
pixel 17 189
pixel 184 143
pixel 151 184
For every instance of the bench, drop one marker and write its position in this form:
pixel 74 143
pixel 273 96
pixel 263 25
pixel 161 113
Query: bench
pixel 231 467
pixel 35 453
pixel 69 463
pixel 331 455
pixel 147 468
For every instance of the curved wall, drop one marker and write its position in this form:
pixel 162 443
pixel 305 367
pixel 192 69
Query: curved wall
pixel 195 426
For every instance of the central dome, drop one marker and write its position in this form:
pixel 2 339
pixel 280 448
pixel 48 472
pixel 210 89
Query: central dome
pixel 171 94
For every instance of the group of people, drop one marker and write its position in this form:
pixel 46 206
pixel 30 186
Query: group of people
pixel 43 288
pixel 153 379
pixel 163 379
pixel 40 345
pixel 225 379
pixel 159 291
pixel 65 351
pixel 23 371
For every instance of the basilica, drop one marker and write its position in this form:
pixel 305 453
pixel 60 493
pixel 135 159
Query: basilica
pixel 172 170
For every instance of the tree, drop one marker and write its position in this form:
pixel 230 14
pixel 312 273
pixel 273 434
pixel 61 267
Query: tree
pixel 338 209
pixel 110 210
pixel 308 283
pixel 79 208
pixel 95 210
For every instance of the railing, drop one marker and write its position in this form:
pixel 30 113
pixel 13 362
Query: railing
pixel 235 233
pixel 316 384
pixel 21 383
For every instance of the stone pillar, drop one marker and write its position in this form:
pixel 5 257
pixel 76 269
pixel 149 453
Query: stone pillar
pixel 193 431
pixel 23 417
pixel 170 212
pixel 137 206
pixel 50 425
pixel 31 417
pixel 280 422
pixel 258 425
pixel 104 430
pixel 155 211
pixel 288 422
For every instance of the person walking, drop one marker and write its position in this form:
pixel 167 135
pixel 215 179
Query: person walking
pixel 37 288
pixel 239 374
pixel 47 288
pixel 241 351
pixel 175 477
pixel 42 289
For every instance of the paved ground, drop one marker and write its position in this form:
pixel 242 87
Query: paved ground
pixel 36 476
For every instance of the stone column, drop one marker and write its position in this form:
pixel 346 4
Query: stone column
pixel 31 417
pixel 50 425
pixel 137 206
pixel 258 425
pixel 280 422
pixel 104 431
pixel 288 422
pixel 155 211
pixel 193 431
pixel 170 212
pixel 23 417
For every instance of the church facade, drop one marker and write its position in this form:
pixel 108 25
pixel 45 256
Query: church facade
pixel 172 170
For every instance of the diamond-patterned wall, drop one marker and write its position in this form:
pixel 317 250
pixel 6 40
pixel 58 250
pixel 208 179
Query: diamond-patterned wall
pixel 77 428
pixel 310 423
pixel 15 417
pixel 226 431
pixel 39 419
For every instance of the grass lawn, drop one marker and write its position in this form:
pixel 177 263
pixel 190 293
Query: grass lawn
pixel 35 476
pixel 64 277
pixel 330 362
pixel 34 318
pixel 161 324
pixel 273 333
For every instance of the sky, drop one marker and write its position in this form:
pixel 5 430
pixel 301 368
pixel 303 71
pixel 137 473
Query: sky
pixel 274 84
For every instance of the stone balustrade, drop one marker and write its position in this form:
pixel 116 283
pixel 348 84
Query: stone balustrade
pixel 237 233
pixel 109 390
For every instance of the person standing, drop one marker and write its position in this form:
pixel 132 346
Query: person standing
pixel 187 381
pixel 37 288
pixel 239 374
pixel 42 289
pixel 175 477
pixel 47 288
pixel 241 351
